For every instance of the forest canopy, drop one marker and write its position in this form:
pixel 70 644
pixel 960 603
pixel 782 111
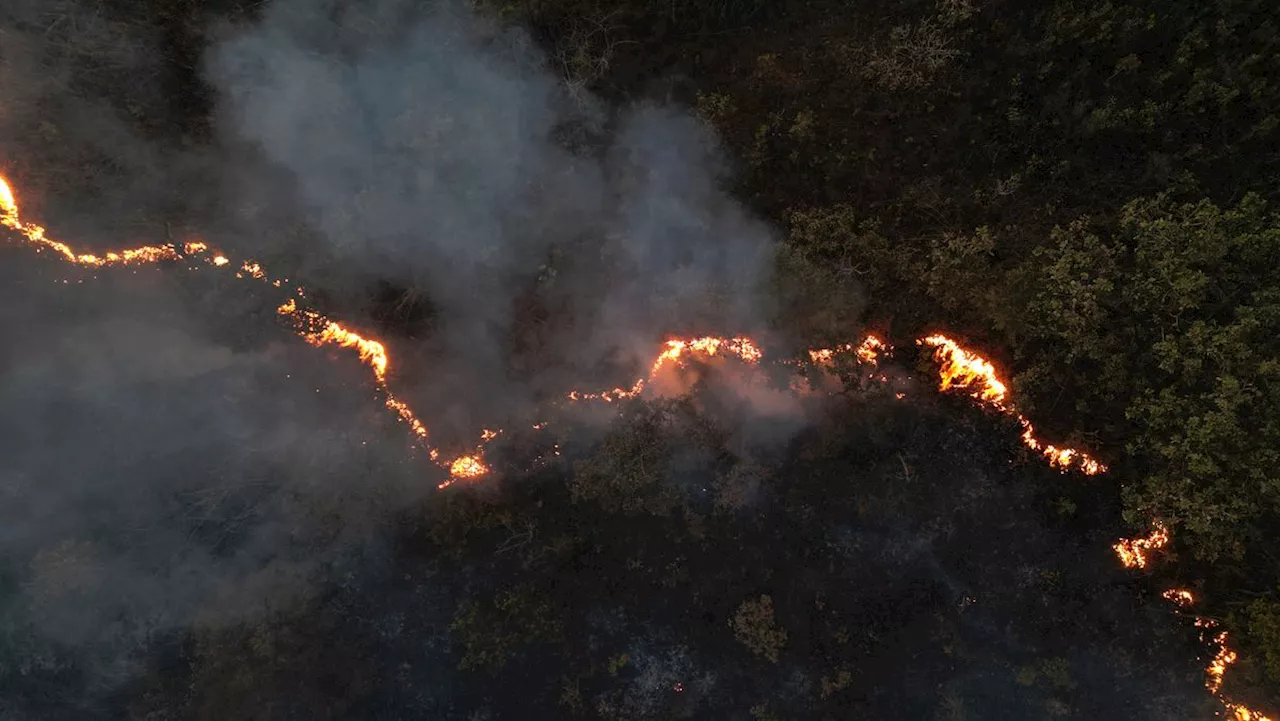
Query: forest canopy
pixel 518 203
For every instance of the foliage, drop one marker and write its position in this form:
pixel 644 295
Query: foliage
pixel 490 631
pixel 630 471
pixel 755 627
pixel 1082 188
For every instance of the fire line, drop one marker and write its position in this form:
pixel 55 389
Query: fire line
pixel 958 368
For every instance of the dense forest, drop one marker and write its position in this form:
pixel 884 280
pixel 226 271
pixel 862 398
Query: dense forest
pixel 1083 191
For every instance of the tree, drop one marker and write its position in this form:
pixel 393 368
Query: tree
pixel 754 626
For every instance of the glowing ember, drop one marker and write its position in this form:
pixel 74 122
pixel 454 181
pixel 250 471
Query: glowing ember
pixel 404 413
pixel 609 396
pixel 1179 597
pixel 1218 666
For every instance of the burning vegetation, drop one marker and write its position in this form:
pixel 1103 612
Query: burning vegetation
pixel 710 527
pixel 958 368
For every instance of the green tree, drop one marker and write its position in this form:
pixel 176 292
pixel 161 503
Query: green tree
pixel 755 627
pixel 491 632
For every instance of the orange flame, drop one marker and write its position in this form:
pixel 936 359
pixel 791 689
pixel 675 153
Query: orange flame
pixel 35 235
pixel 867 352
pixel 1243 713
pixel 1135 552
pixel 960 368
pixel 674 352
pixel 1218 666
pixel 318 331
pixel 744 348
pixel 314 328
pixel 253 270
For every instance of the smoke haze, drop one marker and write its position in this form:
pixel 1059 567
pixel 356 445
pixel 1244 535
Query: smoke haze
pixel 428 148
pixel 425 147
pixel 173 461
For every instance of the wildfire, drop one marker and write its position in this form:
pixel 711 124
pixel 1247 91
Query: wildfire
pixel 319 331
pixel 674 352
pixel 958 368
pixel 468 467
pixel 743 348
pixel 611 395
pixel 35 235
pixel 1218 666
pixel 1223 657
pixel 1243 713
pixel 314 328
pixel 253 270
pixel 867 352
pixel 1135 552
pixel 962 369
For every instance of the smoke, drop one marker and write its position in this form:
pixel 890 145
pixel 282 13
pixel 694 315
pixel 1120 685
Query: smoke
pixel 167 457
pixel 149 483
pixel 433 149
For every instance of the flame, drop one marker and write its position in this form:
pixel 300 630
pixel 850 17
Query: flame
pixel 1135 552
pixel 36 236
pixel 1243 713
pixel 251 269
pixel 962 369
pixel 867 352
pixel 468 467
pixel 744 348
pixel 674 352
pixel 959 368
pixel 314 328
pixel 319 331
pixel 1218 666
pixel 870 349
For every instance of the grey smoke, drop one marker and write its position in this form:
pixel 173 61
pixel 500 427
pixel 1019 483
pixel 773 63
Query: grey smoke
pixel 168 455
pixel 427 147
pixel 148 484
